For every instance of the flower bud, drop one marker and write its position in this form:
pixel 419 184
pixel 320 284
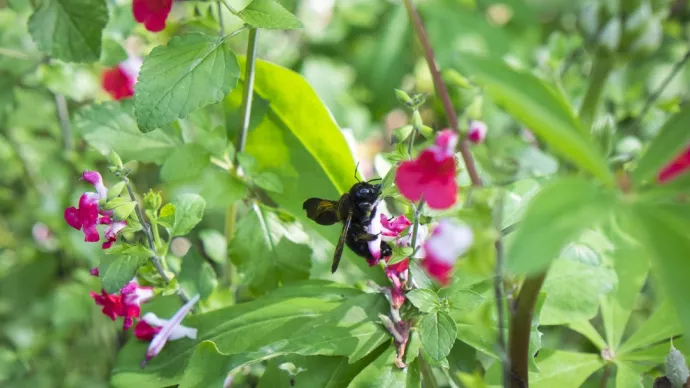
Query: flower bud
pixel 115 162
pixel 452 77
pixel 115 190
pixel 610 36
pixel 417 122
pixel 403 97
pixel 153 201
pixel 676 369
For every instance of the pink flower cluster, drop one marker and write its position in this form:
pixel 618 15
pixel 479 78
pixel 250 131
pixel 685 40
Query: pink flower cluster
pixel 119 81
pixel 126 304
pixel 89 214
pixel 678 166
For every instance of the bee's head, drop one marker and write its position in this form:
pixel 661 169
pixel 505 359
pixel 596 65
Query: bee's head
pixel 365 192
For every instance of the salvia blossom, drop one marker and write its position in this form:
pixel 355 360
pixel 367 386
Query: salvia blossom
pixel 152 13
pixel 477 132
pixel 126 304
pixel 678 166
pixel 94 271
pixel 432 175
pixel 384 229
pixel 449 240
pixel 119 81
pixel 170 329
pixel 111 233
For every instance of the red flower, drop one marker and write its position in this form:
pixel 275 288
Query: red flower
pixel 146 332
pixel 126 304
pixel 119 81
pixel 432 175
pixel 398 268
pixel 677 166
pixel 477 132
pixel 112 304
pixel 94 271
pixel 152 13
pixel 449 240
pixel 96 180
pixel 85 217
pixel 393 227
pixel 111 232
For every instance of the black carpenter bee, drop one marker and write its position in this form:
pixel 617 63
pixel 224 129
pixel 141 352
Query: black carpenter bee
pixel 356 210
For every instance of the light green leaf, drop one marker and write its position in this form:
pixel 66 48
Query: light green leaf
pixel 564 369
pixel 192 71
pixel 586 329
pixel 189 210
pixel 269 181
pixel 461 299
pixel 672 139
pixel 424 299
pixel 661 325
pixel 115 272
pixel 437 332
pixel 70 30
pixel 215 245
pixel 627 376
pixel 138 250
pixel 270 15
pixel 554 217
pixel 381 373
pixel 185 163
pixel 542 110
pixel 111 127
pixel 196 275
pixel 112 53
pixel 573 289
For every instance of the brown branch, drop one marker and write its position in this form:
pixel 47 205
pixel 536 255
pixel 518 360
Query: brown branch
pixel 520 328
pixel 441 89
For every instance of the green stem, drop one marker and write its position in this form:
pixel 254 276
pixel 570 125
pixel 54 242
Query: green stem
pixel 499 294
pixel 228 6
pixel 410 146
pixel 427 373
pixel 655 96
pixel 63 118
pixel 601 68
pixel 520 328
pixel 220 19
pixel 415 226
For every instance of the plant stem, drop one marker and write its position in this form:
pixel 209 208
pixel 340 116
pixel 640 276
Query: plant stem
pixel 415 226
pixel 441 89
pixel 427 373
pixel 520 328
pixel 655 96
pixel 220 19
pixel 499 295
pixel 597 79
pixel 248 93
pixel 410 146
pixel 228 6
pixel 146 227
pixel 63 118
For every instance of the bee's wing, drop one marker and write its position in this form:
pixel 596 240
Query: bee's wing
pixel 341 242
pixel 323 211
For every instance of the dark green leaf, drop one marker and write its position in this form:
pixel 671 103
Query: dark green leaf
pixel 554 217
pixel 70 30
pixel 111 127
pixel 437 331
pixel 115 272
pixel 424 299
pixel 381 373
pixel 189 210
pixel 184 163
pixel 197 276
pixel 269 14
pixel 192 71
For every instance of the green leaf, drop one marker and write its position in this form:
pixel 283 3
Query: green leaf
pixel 399 254
pixel 189 210
pixel 269 181
pixel 270 15
pixel 665 232
pixel 461 299
pixel 192 71
pixel 112 53
pixel 542 110
pixel 424 299
pixel 206 358
pixel 564 369
pixel 111 127
pixel 184 163
pixel 167 215
pixel 196 275
pixel 672 139
pixel 554 217
pixel 586 329
pixel 70 30
pixel 308 151
pixel 573 289
pixel 381 373
pixel 437 331
pixel 661 325
pixel 267 258
pixel 627 376
pixel 215 245
pixel 115 272
pixel 138 250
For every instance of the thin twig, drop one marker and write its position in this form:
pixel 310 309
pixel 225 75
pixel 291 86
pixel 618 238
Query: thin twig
pixel 441 89
pixel 415 226
pixel 248 93
pixel 226 4
pixel 63 118
pixel 499 295
pixel 237 31
pixel 146 227
pixel 657 93
pixel 220 19
pixel 427 373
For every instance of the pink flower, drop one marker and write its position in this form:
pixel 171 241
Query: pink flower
pixel 477 132
pixel 127 304
pixel 111 233
pixel 94 271
pixel 676 167
pixel 432 175
pixel 144 331
pixel 85 217
pixel 385 230
pixel 397 292
pixel 112 304
pixel 449 240
pixel 393 227
pixel 119 81
pixel 171 329
pixel 96 180
pixel 152 13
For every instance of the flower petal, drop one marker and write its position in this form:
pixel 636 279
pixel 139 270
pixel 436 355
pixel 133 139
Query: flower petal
pixel 96 180
pixel 72 217
pixel 166 332
pixel 676 167
pixel 144 331
pixel 117 83
pixel 408 179
pixel 375 228
pixel 152 13
pixel 477 132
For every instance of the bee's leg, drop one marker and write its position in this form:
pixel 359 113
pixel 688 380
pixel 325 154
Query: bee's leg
pixel 367 236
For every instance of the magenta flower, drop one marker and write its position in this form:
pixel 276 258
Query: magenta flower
pixel 678 166
pixel 85 217
pixel 94 271
pixel 394 226
pixel 151 13
pixel 171 329
pixel 127 304
pixel 112 303
pixel 449 240
pixel 432 175
pixel 144 331
pixel 119 81
pixel 111 233
pixel 477 132
pixel 384 229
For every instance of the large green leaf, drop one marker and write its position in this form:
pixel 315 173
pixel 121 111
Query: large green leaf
pixel 185 162
pixel 192 71
pixel 116 271
pixel 197 275
pixel 542 110
pixel 111 127
pixel 665 232
pixel 299 140
pixel 437 331
pixel 246 328
pixel 269 14
pixel 381 373
pixel 554 217
pixel 661 325
pixel 672 139
pixel 189 210
pixel 70 30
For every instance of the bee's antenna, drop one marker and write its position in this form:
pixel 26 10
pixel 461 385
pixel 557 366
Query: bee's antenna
pixel 374 180
pixel 356 168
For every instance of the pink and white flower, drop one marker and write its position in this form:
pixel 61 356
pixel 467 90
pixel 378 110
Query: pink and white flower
pixel 385 230
pixel 449 240
pixel 126 304
pixel 85 217
pixel 678 166
pixel 119 81
pixel 432 175
pixel 111 233
pixel 96 180
pixel 477 132
pixel 152 13
pixel 170 329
